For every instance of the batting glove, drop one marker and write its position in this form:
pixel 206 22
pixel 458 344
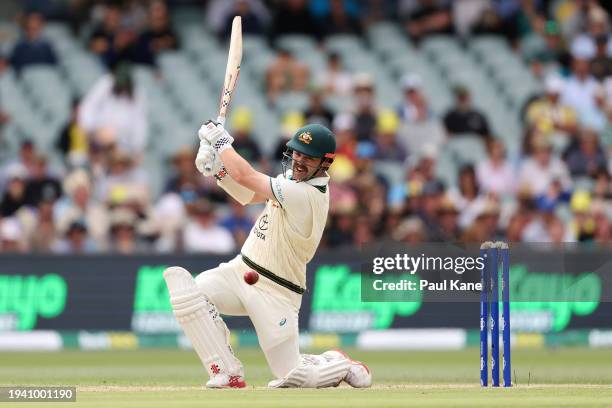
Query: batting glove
pixel 208 158
pixel 215 135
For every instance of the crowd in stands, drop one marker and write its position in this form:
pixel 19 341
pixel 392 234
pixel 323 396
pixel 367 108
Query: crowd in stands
pixel 556 187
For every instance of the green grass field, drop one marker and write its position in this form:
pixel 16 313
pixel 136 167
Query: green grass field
pixel 569 377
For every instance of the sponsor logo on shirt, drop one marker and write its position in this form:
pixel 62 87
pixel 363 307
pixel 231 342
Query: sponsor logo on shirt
pixel 262 225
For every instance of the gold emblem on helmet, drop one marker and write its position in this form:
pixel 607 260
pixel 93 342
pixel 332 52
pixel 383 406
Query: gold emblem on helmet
pixel 305 137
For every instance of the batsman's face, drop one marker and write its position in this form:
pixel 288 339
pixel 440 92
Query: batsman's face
pixel 304 166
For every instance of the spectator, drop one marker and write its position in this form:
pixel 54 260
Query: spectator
pixel 485 214
pixel 585 157
pixel 601 64
pixel 488 23
pixel 26 161
pixel 293 17
pixel 554 196
pixel 344 129
pixel 410 231
pixel 109 40
pixel 546 228
pixel 338 21
pixel 335 80
pixel 42 186
pixel 316 111
pixel 4 116
pixel 158 37
pixel 187 182
pixel 42 233
pixel 14 196
pixel 448 219
pixel 75 241
pixel 237 222
pixel 467 196
pixel 463 119
pixel 580 88
pixel 596 118
pixel 431 199
pixel 123 181
pixel 32 48
pixel 365 110
pixel 72 140
pixel 466 14
pixel 414 109
pixel 244 143
pixel 495 174
pixel 577 22
pixel 77 205
pixel 134 13
pixel 541 168
pixel 285 73
pixel 220 12
pixel 341 228
pixel 363 231
pixel 548 50
pixel 252 22
pixel 203 234
pixel 11 236
pixel 117 104
pixel 124 239
pixel 583 225
pixel 429 17
pixel 290 123
pixel 387 146
pixel 549 115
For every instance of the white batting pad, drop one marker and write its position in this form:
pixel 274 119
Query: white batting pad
pixel 314 372
pixel 201 323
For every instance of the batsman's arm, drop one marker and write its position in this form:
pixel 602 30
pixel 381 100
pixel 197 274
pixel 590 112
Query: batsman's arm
pixel 238 192
pixel 244 174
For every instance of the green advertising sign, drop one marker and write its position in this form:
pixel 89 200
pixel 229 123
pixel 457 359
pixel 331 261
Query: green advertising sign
pixel 337 290
pixel 29 296
pixel 151 291
pixel 557 297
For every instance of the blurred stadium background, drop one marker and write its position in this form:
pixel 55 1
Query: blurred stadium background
pixel 468 121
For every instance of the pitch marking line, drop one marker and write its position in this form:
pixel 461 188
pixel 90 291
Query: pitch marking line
pixel 139 388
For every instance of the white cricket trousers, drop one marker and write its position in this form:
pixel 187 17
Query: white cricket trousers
pixel 274 316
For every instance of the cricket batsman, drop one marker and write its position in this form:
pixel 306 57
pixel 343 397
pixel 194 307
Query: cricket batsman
pixel 281 243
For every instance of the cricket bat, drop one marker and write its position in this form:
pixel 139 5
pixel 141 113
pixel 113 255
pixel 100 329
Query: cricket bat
pixel 232 70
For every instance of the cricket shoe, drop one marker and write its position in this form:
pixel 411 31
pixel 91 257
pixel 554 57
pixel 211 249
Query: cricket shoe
pixel 226 381
pixel 358 376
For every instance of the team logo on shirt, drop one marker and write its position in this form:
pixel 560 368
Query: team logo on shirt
pixel 305 137
pixel 283 321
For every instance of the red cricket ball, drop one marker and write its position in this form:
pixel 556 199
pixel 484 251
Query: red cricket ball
pixel 251 277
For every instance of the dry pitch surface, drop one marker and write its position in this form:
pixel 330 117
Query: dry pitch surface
pixel 569 377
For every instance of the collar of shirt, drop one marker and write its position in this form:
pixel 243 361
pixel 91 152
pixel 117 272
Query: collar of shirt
pixel 319 181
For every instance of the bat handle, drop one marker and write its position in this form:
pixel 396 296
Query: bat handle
pixel 221 120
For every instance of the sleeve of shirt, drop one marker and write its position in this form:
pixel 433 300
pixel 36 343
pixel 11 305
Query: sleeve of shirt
pixel 289 194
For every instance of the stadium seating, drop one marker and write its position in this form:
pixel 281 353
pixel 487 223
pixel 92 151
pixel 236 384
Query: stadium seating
pixel 186 90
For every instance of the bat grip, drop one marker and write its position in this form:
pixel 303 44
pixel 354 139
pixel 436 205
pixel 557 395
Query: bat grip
pixel 221 120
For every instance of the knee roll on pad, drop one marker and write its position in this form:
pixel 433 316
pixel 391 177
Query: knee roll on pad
pixel 201 323
pixel 314 373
